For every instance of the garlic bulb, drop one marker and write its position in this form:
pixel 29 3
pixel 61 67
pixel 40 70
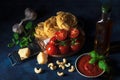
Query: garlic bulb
pixel 17 28
pixel 30 14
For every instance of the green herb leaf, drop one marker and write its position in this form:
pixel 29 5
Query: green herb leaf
pixel 23 44
pixel 24 39
pixel 17 42
pixel 10 44
pixel 16 36
pixel 101 57
pixel 103 65
pixel 92 61
pixel 13 40
pixel 28 26
pixel 93 54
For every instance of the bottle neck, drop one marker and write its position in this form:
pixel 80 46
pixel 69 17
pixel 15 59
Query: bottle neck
pixel 105 16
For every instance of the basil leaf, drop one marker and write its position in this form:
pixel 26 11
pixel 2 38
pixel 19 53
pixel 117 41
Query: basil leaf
pixel 17 42
pixel 24 42
pixel 10 44
pixel 13 40
pixel 101 57
pixel 103 65
pixel 92 61
pixel 24 39
pixel 21 45
pixel 93 54
pixel 28 26
pixel 16 36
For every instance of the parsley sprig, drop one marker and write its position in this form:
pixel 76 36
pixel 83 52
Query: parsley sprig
pixel 100 59
pixel 25 38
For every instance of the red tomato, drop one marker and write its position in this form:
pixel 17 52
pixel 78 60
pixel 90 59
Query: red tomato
pixel 51 49
pixel 75 46
pixel 61 34
pixel 74 33
pixel 53 41
pixel 64 49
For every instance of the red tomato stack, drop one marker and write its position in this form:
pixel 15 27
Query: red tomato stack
pixel 64 42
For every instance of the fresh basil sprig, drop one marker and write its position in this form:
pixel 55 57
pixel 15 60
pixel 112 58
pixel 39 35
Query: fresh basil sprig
pixel 28 26
pixel 100 59
pixel 25 38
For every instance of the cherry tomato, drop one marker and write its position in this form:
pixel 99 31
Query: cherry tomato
pixel 61 35
pixel 74 33
pixel 64 49
pixel 53 41
pixel 51 49
pixel 75 45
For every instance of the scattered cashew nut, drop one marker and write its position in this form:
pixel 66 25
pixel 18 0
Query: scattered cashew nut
pixel 67 65
pixel 62 67
pixel 64 61
pixel 60 73
pixel 50 64
pixel 37 71
pixel 53 67
pixel 59 63
pixel 71 69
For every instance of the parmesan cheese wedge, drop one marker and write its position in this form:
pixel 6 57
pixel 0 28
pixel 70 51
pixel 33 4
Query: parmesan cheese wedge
pixel 24 53
pixel 42 58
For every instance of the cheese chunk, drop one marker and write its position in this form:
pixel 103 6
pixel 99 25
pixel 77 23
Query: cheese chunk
pixel 24 53
pixel 42 58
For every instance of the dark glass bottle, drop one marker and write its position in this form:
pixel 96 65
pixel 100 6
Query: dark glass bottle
pixel 103 32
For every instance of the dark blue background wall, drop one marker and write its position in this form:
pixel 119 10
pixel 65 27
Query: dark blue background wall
pixel 87 10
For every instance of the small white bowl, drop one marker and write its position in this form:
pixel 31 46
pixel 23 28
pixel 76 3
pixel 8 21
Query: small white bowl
pixel 82 73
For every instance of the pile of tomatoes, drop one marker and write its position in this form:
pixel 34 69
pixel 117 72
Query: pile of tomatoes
pixel 64 42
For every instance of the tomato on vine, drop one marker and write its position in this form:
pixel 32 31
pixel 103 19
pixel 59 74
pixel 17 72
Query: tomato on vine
pixel 74 32
pixel 61 35
pixel 75 45
pixel 64 48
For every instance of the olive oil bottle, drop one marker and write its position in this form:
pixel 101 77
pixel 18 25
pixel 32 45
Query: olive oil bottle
pixel 103 32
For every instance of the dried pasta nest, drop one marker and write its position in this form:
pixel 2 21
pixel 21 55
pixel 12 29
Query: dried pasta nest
pixel 65 20
pixel 50 26
pixel 62 20
pixel 39 31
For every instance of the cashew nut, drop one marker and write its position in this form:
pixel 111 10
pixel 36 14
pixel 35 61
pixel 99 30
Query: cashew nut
pixel 50 64
pixel 67 65
pixel 37 71
pixel 60 73
pixel 71 69
pixel 53 67
pixel 62 67
pixel 64 61
pixel 59 63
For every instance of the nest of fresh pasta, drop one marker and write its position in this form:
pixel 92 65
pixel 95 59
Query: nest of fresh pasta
pixel 62 20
